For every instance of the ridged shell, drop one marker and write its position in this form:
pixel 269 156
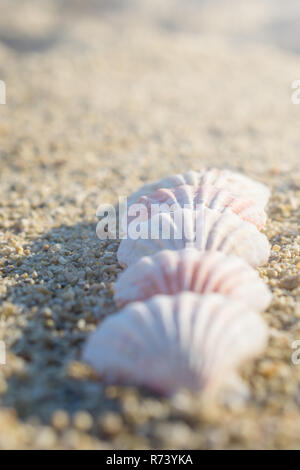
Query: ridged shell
pixel 208 195
pixel 171 272
pixel 173 342
pixel 205 229
pixel 236 183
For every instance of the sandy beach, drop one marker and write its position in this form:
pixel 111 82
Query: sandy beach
pixel 99 100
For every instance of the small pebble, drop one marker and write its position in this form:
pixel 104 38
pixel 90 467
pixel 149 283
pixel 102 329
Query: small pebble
pixel 83 421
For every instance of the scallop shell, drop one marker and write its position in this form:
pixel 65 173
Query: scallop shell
pixel 171 342
pixel 214 198
pixel 170 272
pixel 205 229
pixel 224 179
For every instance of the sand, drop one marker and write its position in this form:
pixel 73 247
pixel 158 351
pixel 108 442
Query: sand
pixel 98 102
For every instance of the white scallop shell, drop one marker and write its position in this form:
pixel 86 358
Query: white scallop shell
pixel 236 183
pixel 192 197
pixel 205 229
pixel 171 272
pixel 173 342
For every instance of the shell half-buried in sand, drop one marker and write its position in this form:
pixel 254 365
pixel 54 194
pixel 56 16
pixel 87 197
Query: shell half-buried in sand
pixel 192 197
pixel 171 272
pixel 172 342
pixel 205 229
pixel 236 183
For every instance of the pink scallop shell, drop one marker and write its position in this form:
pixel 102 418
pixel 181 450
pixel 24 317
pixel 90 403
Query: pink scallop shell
pixel 171 272
pixel 172 342
pixel 192 197
pixel 205 229
pixel 234 182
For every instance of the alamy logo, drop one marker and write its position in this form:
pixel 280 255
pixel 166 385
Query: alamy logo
pixel 2 353
pixel 2 92
pixel 149 221
pixel 296 354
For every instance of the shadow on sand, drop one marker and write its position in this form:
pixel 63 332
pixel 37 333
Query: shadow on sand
pixel 71 293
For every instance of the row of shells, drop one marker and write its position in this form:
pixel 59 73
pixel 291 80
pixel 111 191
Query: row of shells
pixel 190 302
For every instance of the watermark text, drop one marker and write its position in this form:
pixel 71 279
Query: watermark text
pixel 2 353
pixel 2 92
pixel 149 221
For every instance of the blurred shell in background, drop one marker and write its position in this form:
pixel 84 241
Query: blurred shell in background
pixel 236 183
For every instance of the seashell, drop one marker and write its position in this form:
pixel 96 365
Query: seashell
pixel 173 342
pixel 205 229
pixel 224 179
pixel 170 272
pixel 192 197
